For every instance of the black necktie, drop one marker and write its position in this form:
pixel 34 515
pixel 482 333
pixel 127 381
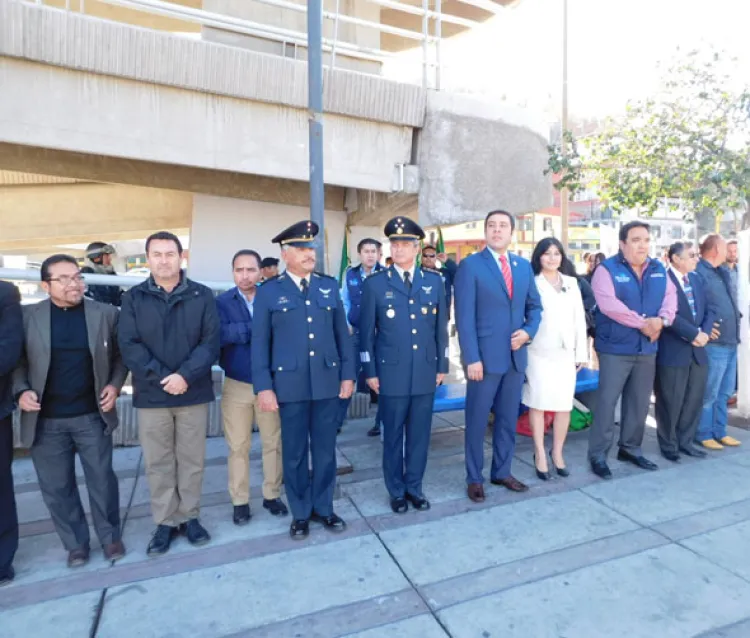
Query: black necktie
pixel 407 281
pixel 303 284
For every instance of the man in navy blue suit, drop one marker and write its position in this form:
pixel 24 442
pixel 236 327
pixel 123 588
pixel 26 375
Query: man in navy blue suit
pixel 498 311
pixel 302 365
pixel 681 361
pixel 404 352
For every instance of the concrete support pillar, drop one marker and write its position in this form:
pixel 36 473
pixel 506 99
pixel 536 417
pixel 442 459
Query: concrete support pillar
pixel 222 226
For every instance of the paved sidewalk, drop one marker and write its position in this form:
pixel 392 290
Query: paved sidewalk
pixel 659 554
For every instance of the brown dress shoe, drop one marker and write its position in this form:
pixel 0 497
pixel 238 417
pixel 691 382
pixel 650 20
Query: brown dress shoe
pixel 475 492
pixel 114 551
pixel 78 557
pixel 511 483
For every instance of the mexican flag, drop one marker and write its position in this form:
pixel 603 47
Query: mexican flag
pixel 344 257
pixel 440 243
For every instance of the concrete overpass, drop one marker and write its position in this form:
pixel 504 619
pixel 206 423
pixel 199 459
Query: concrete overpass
pixel 116 122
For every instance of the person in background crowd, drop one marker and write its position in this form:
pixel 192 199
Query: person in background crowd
pixel 587 293
pixel 404 350
pixel 269 268
pixel 722 349
pixel 303 364
pixel 370 252
pixel 239 403
pixel 596 261
pixel 447 271
pixel 559 349
pixel 11 344
pixel 586 261
pixel 99 261
pixel 67 383
pixel 498 311
pixel 681 361
pixel 635 301
pixel 388 262
pixel 169 337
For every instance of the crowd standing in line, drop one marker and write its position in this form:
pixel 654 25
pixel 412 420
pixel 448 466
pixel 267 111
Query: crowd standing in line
pixel 293 345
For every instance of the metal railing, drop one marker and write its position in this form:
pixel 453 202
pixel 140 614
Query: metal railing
pixel 430 34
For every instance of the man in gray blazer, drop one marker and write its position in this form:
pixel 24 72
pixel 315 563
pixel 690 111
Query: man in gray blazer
pixel 67 383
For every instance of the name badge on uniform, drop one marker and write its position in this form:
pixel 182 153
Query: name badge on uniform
pixel 622 278
pixel 389 294
pixel 390 313
pixel 283 300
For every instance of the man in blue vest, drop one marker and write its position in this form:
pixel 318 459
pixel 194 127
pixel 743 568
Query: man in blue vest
pixel 682 362
pixel 303 364
pixel 635 301
pixel 404 351
pixel 370 251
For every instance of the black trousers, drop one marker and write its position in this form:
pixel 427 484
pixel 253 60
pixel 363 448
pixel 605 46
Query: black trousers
pixel 679 403
pixel 8 514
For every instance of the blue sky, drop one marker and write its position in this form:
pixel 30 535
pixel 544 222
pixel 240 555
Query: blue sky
pixel 614 48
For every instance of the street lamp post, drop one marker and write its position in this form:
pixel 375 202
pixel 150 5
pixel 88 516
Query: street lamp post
pixel 315 108
pixel 564 196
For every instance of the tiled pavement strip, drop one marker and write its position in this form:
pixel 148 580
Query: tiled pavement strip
pixel 649 554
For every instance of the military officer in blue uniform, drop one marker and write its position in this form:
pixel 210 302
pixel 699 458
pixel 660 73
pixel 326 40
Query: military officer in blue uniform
pixel 404 351
pixel 303 363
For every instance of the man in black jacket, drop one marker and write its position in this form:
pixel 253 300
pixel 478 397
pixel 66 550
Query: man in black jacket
pixel 11 340
pixel 169 337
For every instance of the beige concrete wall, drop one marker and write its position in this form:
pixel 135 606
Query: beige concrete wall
pixel 222 226
pixel 35 218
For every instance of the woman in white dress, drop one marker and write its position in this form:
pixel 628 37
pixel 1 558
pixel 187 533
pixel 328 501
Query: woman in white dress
pixel 558 350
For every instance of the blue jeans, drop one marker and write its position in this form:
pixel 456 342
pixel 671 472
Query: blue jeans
pixel 722 377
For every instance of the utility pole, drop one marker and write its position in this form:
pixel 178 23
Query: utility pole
pixel 315 114
pixel 564 216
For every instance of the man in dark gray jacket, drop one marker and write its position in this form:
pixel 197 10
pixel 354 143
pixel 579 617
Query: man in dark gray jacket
pixel 169 337
pixel 67 383
pixel 11 342
pixel 722 349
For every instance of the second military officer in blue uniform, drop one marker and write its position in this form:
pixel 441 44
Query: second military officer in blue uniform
pixel 303 363
pixel 404 351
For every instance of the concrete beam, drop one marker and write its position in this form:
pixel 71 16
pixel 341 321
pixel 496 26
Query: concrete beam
pixel 34 217
pixel 476 156
pixel 101 168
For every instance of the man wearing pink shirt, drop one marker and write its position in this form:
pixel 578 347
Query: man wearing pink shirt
pixel 635 300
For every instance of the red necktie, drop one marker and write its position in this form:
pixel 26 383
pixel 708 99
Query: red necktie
pixel 507 274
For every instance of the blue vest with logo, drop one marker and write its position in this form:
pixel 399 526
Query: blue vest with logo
pixel 354 283
pixel 644 296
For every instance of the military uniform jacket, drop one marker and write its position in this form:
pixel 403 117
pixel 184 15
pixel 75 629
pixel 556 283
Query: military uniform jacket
pixel 301 346
pixel 404 336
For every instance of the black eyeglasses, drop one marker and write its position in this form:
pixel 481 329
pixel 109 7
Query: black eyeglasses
pixel 66 280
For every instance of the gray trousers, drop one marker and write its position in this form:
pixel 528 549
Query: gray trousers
pixel 633 378
pixel 679 402
pixel 53 454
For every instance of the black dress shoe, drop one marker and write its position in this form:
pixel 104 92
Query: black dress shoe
pixel 601 469
pixel 693 451
pixel 161 540
pixel 9 576
pixel 333 523
pixel 399 505
pixel 275 506
pixel 544 476
pixel 241 515
pixel 196 533
pixel 420 503
pixel 639 461
pixel 561 471
pixel 510 483
pixel 299 529
pixel 671 456
pixel 374 430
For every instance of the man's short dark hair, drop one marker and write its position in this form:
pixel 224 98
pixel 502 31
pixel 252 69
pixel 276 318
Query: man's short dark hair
pixel 626 228
pixel 501 212
pixel 56 259
pixel 368 241
pixel 731 241
pixel 677 249
pixel 709 242
pixel 428 247
pixel 269 262
pixel 246 252
pixel 164 235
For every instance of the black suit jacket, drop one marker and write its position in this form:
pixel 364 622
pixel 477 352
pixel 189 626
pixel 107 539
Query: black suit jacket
pixel 11 342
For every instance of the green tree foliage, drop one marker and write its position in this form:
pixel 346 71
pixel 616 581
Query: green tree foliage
pixel 690 142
